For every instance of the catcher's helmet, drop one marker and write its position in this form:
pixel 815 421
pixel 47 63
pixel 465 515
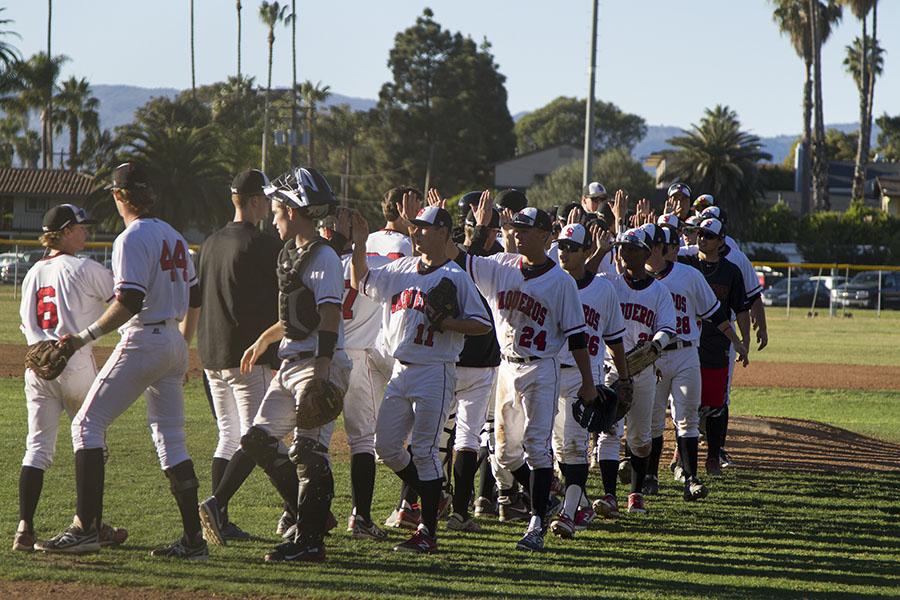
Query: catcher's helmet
pixel 305 189
pixel 467 201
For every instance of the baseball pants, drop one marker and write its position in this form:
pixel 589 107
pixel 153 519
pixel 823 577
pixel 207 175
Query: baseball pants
pixel 527 395
pixel 570 439
pixel 277 413
pixel 638 419
pixel 149 359
pixel 362 401
pixel 474 393
pixel 46 401
pixel 415 407
pixel 236 398
pixel 678 383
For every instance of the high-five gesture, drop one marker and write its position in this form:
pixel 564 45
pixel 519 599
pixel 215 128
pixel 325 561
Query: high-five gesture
pixel 435 199
pixel 484 210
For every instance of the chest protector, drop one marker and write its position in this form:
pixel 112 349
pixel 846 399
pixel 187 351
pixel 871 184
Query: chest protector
pixel 297 309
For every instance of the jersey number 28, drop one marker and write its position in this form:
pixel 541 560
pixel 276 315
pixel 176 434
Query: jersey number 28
pixel 172 260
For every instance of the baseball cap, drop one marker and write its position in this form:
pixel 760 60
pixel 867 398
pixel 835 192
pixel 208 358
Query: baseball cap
pixel 128 176
pixel 679 188
pixel 493 224
pixel 595 219
pixel 512 199
pixel 633 237
pixel 433 216
pixel 669 220
pixel 250 182
pixel 692 221
pixel 61 216
pixel 655 234
pixel 703 201
pixel 714 212
pixel 712 226
pixel 594 189
pixel 562 213
pixel 574 234
pixel 531 217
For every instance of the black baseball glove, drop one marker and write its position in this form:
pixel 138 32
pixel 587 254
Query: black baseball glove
pixel 440 303
pixel 600 415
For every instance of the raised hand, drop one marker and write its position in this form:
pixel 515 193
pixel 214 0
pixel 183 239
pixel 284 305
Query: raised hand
pixel 435 199
pixel 619 205
pixel 409 206
pixel 359 229
pixel 484 211
pixel 576 215
pixel 342 218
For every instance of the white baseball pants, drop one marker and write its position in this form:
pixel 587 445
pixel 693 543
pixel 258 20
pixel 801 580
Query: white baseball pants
pixel 570 439
pixel 678 382
pixel 362 401
pixel 638 419
pixel 236 399
pixel 474 393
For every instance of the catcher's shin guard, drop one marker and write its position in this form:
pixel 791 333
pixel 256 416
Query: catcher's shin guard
pixel 263 449
pixel 315 488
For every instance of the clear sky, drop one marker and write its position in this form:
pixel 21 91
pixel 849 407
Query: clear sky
pixel 665 60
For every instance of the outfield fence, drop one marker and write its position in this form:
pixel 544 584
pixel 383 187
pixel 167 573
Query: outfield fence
pixel 830 284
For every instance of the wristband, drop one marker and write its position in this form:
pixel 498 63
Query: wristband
pixel 90 334
pixel 327 342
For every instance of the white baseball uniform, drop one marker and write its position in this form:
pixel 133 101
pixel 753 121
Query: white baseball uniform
pixel 535 311
pixel 61 295
pixel 647 308
pixel 737 256
pixel 603 325
pixel 152 355
pixel 678 369
pixel 417 398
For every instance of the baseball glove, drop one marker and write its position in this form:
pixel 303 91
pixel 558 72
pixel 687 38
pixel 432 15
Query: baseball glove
pixel 320 403
pixel 47 359
pixel 440 303
pixel 642 356
pixel 624 389
pixel 600 415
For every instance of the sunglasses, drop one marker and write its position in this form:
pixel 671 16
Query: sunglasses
pixel 708 236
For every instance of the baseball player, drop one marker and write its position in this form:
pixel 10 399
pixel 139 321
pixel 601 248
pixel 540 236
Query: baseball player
pixel 154 285
pixel 649 315
pixel 604 328
pixel 237 266
pixel 417 398
pixel 727 282
pixel 393 240
pixel 310 334
pixel 536 309
pixel 678 369
pixel 61 295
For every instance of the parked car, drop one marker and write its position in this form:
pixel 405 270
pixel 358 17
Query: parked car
pixel 10 272
pixel 830 281
pixel 862 290
pixel 803 289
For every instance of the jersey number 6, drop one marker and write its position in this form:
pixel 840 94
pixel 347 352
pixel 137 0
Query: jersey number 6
pixel 172 261
pixel 46 308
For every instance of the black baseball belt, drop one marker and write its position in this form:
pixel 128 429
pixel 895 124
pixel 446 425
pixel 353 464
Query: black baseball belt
pixel 679 344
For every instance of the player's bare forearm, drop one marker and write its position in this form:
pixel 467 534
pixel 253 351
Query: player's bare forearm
pixel 739 347
pixel 758 320
pixel 583 360
pixel 593 263
pixel 743 321
pixel 271 335
pixel 115 315
pixel 618 356
pixel 188 325
pixel 358 267
pixel 465 326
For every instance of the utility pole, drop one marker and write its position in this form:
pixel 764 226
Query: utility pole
pixel 589 107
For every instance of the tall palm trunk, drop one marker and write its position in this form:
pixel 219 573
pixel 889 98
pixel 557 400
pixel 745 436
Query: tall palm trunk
pixel 310 117
pixel 821 198
pixel 47 119
pixel 870 101
pixel 239 41
pixel 292 140
pixel 193 77
pixel 862 152
pixel 806 166
pixel 73 142
pixel 265 140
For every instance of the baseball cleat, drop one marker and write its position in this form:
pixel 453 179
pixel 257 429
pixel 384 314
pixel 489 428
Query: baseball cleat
pixel 556 487
pixel 725 459
pixel 409 518
pixel 112 536
pixel 636 504
pixel 23 541
pixel 583 517
pixel 563 527
pixel 457 523
pixel 286 521
pixel 233 533
pixel 651 485
pixel 181 549
pixel 677 472
pixel 554 506
pixel 625 471
pixel 211 521
pixel 293 551
pixel 485 507
pixel 514 511
pixel 364 529
pixel 533 540
pixel 607 506
pixel 444 504
pixel 695 490
pixel 73 540
pixel 713 467
pixel 421 542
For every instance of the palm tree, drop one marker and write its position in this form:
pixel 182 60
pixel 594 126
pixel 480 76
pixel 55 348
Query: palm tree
pixel 718 158
pixel 271 14
pixel 193 76
pixel 819 33
pixel 792 18
pixel 239 39
pixel 312 94
pixel 78 112
pixel 28 148
pixel 9 55
pixel 292 19
pixel 866 50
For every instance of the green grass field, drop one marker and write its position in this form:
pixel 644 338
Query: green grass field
pixel 763 535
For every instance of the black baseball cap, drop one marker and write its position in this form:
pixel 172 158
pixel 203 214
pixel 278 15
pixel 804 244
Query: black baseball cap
pixel 61 216
pixel 128 176
pixel 562 213
pixel 251 182
pixel 512 199
pixel 494 223
pixel 531 217
pixel 433 216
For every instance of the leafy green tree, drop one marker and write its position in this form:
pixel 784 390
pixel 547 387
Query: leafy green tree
pixel 312 95
pixel 78 112
pixel 9 55
pixel 271 14
pixel 716 157
pixel 889 138
pixel 562 122
pixel 615 168
pixel 236 110
pixel 445 106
